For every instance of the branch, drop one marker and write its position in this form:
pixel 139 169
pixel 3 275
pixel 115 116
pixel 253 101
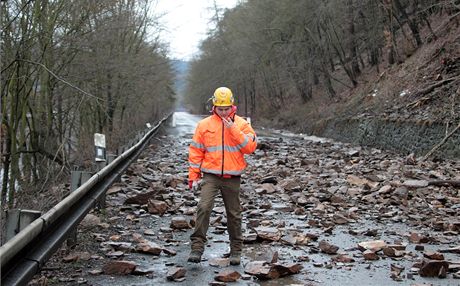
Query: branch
pixel 64 81
pixel 440 143
pixel 443 25
pixel 15 17
pixel 453 183
pixel 433 86
pixel 55 158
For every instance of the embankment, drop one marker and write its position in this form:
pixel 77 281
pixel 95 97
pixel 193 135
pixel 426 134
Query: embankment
pixel 417 137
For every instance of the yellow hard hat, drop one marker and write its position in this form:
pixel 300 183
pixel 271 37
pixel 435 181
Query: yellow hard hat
pixel 223 97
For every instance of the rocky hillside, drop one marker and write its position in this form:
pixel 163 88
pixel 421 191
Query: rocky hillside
pixel 425 87
pixel 420 92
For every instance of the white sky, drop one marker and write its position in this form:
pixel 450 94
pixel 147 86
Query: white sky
pixel 186 23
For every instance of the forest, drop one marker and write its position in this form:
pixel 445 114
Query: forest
pixel 70 69
pixel 287 58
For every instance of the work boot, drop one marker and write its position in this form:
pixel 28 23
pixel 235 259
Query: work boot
pixel 235 258
pixel 195 256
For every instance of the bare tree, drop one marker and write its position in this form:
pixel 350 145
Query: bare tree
pixel 69 69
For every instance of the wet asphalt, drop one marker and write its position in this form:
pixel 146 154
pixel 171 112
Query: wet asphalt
pixel 178 135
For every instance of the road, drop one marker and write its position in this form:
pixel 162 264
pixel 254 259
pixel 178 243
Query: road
pixel 304 189
pixel 183 124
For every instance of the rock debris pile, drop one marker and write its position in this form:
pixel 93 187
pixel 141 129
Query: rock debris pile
pixel 314 211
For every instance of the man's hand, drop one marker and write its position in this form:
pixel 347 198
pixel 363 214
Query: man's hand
pixel 228 122
pixel 193 185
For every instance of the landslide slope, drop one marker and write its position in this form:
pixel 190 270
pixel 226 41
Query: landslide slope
pixel 421 89
pixel 425 86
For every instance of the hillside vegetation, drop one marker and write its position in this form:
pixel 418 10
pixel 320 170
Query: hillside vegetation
pixel 71 69
pixel 299 64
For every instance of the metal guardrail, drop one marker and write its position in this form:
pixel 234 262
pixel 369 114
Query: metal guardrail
pixel 23 256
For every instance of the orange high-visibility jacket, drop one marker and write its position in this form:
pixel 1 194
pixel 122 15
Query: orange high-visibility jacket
pixel 219 150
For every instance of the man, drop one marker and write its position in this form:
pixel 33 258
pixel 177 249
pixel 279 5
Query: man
pixel 216 155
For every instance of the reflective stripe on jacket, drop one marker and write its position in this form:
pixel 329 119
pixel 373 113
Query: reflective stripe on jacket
pixel 219 150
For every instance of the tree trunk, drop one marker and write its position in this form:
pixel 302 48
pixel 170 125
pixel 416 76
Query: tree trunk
pixel 6 167
pixel 337 46
pixel 327 82
pixel 352 40
pixel 412 24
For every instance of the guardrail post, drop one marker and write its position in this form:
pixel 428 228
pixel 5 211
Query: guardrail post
pixel 100 204
pixel 101 160
pixel 17 220
pixel 110 158
pixel 172 120
pixel 77 178
pixel 120 150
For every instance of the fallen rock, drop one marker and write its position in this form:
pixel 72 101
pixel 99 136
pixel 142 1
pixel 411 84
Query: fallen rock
pixel 370 255
pixel 217 283
pixel 361 182
pixel 328 248
pixel 391 252
pixel 179 223
pixel 170 252
pixel 432 268
pixel 149 247
pixel 395 272
pixel 397 246
pixel 249 238
pixel 95 272
pixel 343 258
pixel 114 189
pixel 264 271
pixel 415 237
pixel 414 184
pixel 339 219
pixel 115 254
pixel 451 250
pixel 287 269
pixel 268 233
pixel 267 254
pixel 269 179
pixel 266 188
pixel 120 246
pixel 385 189
pixel 260 269
pixel 228 276
pixel 143 271
pixel 70 258
pixel 140 199
pixel 433 255
pixel 157 207
pixel 289 239
pixel 121 267
pixel 90 221
pixel 374 245
pixel 219 262
pixel 175 273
